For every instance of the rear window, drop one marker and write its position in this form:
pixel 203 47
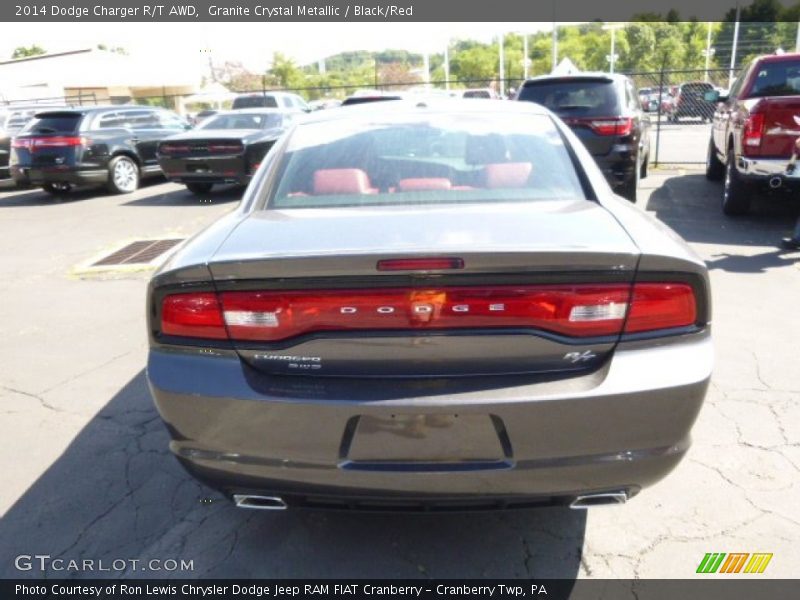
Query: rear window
pixel 242 121
pixel 54 123
pixel 578 97
pixel 776 79
pixel 477 94
pixel 255 102
pixel 425 159
pixel 697 87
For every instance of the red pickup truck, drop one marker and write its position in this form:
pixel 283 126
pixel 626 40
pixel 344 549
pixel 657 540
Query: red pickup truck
pixel 754 131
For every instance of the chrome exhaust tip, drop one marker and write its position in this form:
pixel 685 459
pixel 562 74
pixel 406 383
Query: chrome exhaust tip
pixel 775 182
pixel 604 499
pixel 259 502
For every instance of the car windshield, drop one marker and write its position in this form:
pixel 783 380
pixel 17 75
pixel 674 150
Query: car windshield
pixel 580 97
pixel 242 121
pixel 777 79
pixel 425 159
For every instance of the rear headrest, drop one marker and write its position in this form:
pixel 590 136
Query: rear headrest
pixel 342 181
pixel 508 175
pixel 423 184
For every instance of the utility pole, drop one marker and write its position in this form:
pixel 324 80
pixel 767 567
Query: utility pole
pixel 554 49
pixel 735 43
pixel 612 58
pixel 426 66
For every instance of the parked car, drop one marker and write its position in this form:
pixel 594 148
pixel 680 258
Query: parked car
pixel 202 115
pixel 486 93
pixel 369 96
pixel 646 100
pixel 604 112
pixel 226 148
pixel 438 306
pixel 689 100
pixel 13 118
pixel 283 100
pixel 113 146
pixel 755 131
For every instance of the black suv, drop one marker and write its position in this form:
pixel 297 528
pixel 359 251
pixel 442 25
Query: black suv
pixel 605 113
pixel 103 145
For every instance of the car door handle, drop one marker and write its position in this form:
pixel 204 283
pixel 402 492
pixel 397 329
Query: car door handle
pixel 134 140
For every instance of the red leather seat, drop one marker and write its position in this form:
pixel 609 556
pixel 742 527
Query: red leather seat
pixel 508 175
pixel 342 181
pixel 420 184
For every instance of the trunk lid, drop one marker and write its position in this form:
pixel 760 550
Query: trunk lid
pixel 352 319
pixel 51 141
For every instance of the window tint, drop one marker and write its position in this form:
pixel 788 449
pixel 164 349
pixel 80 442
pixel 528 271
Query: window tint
pixel 426 159
pixel 169 120
pixel 777 79
pixel 110 121
pixel 142 119
pixel 54 123
pixel 256 101
pixel 243 121
pixel 578 97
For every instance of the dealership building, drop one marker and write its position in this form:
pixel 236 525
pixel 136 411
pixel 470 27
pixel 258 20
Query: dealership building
pixel 95 76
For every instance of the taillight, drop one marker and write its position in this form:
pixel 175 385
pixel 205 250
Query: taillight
pixel 620 126
pixel 569 310
pixel 225 148
pixel 58 141
pixel 193 315
pixel 170 148
pixel 661 306
pixel 583 310
pixel 254 167
pixel 753 131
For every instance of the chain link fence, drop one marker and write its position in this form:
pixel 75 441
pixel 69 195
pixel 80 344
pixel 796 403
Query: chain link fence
pixel 675 101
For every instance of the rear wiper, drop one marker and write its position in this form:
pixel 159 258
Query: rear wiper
pixel 44 130
pixel 571 107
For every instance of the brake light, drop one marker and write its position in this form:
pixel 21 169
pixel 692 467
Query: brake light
pixel 569 310
pixel 620 126
pixel 224 148
pixel 254 167
pixel 193 315
pixel 420 264
pixel 58 141
pixel 169 148
pixel 661 306
pixel 753 131
pixel 583 310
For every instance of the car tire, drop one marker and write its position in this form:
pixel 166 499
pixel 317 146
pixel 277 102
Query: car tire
pixel 57 189
pixel 199 188
pixel 715 168
pixel 123 175
pixel 628 189
pixel 736 192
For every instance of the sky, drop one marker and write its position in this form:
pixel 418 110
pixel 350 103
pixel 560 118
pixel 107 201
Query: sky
pixel 252 44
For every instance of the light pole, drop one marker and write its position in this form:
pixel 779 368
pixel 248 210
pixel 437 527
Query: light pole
pixel 502 65
pixel 735 43
pixel 709 50
pixel 612 58
pixel 525 59
pixel 447 65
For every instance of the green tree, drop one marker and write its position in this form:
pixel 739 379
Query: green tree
pixel 28 51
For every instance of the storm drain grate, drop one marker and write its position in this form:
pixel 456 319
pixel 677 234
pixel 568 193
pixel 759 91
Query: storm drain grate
pixel 140 252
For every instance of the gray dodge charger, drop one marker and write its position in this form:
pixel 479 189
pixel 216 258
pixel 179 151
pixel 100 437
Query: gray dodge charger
pixel 429 306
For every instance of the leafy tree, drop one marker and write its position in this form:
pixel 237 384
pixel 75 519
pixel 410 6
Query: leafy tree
pixel 28 51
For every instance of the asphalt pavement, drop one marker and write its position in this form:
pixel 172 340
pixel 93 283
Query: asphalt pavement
pixel 87 473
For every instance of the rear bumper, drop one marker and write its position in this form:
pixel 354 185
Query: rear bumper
pixel 763 170
pixel 206 170
pixel 58 174
pixel 622 427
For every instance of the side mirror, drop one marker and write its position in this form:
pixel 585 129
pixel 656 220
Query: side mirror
pixel 712 96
